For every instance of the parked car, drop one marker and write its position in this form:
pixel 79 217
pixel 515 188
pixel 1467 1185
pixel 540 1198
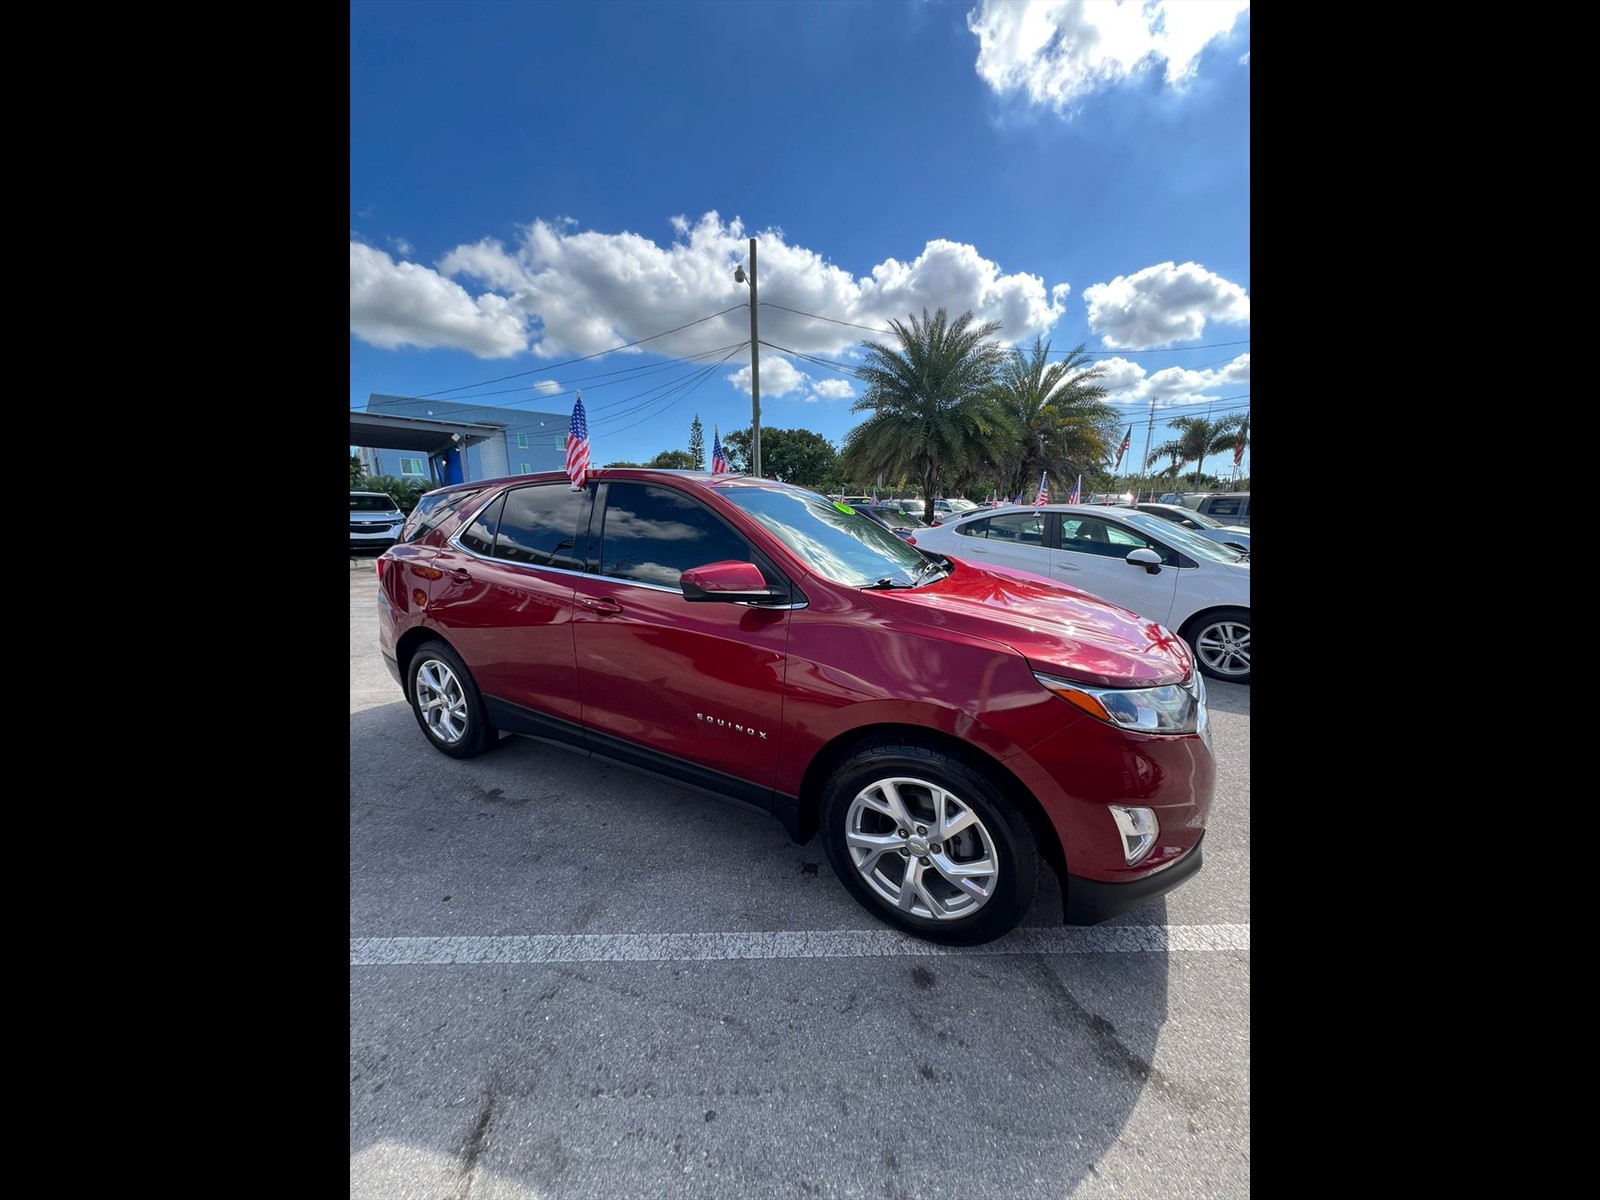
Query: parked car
pixel 1231 508
pixel 1237 536
pixel 942 726
pixel 1190 584
pixel 375 520
pixel 903 523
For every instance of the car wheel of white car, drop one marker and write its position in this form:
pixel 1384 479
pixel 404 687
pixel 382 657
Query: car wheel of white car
pixel 1221 642
pixel 929 843
pixel 446 702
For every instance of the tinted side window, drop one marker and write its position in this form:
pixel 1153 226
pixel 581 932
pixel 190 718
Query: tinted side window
pixel 1222 507
pixel 479 536
pixel 654 534
pixel 539 525
pixel 1025 528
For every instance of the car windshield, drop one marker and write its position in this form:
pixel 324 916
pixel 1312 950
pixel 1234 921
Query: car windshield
pixel 361 502
pixel 1190 542
pixel 832 539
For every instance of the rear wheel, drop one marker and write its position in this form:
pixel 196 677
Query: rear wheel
pixel 928 842
pixel 446 702
pixel 1221 642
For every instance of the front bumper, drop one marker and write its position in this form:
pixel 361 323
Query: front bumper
pixel 1089 901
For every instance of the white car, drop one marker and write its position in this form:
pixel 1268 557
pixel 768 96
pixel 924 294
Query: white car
pixel 1190 584
pixel 375 521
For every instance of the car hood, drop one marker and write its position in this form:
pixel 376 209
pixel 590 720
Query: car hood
pixel 1059 630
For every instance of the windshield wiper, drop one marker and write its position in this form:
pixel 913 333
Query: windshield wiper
pixel 930 565
pixel 885 584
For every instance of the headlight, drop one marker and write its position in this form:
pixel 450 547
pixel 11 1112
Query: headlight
pixel 1173 708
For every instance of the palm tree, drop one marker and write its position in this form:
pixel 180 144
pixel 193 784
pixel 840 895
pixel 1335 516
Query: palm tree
pixel 1063 424
pixel 1197 438
pixel 932 403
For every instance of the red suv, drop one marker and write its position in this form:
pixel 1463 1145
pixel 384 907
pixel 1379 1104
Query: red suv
pixel 945 727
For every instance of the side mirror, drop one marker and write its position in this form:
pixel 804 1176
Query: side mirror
pixel 728 583
pixel 1148 559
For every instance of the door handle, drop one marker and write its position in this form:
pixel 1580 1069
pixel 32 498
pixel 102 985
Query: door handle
pixel 600 604
pixel 460 576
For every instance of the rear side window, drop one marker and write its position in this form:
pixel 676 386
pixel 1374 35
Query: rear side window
pixel 433 511
pixel 1027 528
pixel 479 536
pixel 1223 507
pixel 654 534
pixel 540 526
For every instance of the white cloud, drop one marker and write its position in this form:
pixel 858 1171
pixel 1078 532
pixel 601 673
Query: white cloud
pixel 779 378
pixel 562 292
pixel 1057 52
pixel 403 304
pixel 1129 385
pixel 547 387
pixel 1161 305
pixel 833 389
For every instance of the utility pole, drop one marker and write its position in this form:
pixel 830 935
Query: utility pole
pixel 1144 463
pixel 755 363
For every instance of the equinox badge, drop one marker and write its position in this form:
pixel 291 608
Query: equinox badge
pixel 733 725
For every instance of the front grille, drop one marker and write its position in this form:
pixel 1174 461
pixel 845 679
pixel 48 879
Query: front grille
pixel 372 527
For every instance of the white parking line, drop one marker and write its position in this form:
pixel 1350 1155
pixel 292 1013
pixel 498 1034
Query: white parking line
pixel 844 943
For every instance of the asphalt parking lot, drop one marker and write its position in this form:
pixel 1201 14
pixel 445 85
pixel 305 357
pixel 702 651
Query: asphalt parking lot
pixel 570 980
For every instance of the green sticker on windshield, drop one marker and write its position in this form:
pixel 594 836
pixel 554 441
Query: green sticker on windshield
pixel 844 508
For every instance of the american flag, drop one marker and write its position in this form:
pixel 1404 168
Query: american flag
pixel 1238 446
pixel 578 445
pixel 1077 490
pixel 719 461
pixel 1127 439
pixel 1044 490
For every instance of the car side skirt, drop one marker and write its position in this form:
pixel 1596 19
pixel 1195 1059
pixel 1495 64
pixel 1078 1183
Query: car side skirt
pixel 524 722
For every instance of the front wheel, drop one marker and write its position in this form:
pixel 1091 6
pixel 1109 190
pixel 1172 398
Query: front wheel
pixel 928 842
pixel 1221 642
pixel 446 702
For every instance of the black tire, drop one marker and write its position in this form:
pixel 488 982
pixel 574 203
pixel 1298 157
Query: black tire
pixel 858 800
pixel 445 700
pixel 1221 644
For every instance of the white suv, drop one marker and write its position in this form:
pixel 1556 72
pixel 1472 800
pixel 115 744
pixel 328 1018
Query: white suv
pixel 375 520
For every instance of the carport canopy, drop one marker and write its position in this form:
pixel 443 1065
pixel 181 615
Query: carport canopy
pixel 378 431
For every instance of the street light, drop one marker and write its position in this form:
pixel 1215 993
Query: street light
pixel 739 276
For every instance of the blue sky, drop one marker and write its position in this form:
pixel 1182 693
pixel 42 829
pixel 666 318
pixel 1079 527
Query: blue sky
pixel 534 186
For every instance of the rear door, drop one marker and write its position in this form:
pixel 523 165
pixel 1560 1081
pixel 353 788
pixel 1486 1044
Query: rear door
pixel 505 595
pixel 1019 540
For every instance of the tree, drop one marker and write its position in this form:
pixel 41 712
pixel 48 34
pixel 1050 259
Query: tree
pixel 1061 421
pixel 406 492
pixel 1197 438
pixel 673 460
pixel 356 472
pixel 793 455
pixel 697 444
pixel 932 402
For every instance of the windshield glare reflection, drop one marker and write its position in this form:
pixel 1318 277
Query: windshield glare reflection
pixel 845 547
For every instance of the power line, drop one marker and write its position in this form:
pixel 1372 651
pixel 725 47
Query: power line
pixel 600 354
